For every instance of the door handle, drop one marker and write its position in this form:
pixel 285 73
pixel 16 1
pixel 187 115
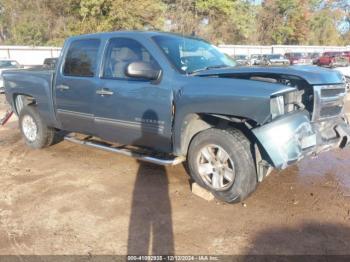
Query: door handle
pixel 62 87
pixel 104 92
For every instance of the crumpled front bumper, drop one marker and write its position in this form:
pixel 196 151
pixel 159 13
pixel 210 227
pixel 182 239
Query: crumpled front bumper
pixel 292 137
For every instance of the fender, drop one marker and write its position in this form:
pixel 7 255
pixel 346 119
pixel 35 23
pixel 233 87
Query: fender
pixel 34 84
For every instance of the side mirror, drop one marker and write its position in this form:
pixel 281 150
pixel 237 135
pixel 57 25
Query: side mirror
pixel 142 70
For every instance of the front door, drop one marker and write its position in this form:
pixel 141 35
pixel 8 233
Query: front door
pixel 76 85
pixel 132 111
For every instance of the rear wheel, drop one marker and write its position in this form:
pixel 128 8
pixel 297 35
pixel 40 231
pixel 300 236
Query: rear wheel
pixel 36 134
pixel 221 161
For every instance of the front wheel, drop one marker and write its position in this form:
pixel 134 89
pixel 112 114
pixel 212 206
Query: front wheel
pixel 221 161
pixel 36 134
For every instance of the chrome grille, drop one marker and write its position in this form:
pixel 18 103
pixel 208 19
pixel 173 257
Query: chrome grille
pixel 332 92
pixel 328 101
pixel 330 111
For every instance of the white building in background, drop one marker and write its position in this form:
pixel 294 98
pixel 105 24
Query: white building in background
pixel 31 56
pixel 28 55
pixel 277 49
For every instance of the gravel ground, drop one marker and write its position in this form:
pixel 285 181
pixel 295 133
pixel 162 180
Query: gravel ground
pixel 69 199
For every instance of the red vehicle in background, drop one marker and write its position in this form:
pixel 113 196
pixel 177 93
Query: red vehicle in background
pixel 334 59
pixel 347 55
pixel 298 58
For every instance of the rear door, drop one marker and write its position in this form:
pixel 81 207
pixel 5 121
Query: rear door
pixel 75 86
pixel 132 111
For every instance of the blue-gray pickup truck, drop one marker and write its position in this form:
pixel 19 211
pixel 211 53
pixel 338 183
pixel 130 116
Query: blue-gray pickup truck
pixel 166 98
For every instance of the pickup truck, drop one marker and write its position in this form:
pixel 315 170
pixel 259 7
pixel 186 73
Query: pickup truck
pixel 166 99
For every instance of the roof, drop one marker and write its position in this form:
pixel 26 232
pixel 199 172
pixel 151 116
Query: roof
pixel 133 32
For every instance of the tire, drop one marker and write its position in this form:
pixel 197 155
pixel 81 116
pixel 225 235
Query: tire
pixel 237 147
pixel 39 135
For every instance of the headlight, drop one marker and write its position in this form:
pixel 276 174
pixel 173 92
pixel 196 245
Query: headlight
pixel 277 106
pixel 282 103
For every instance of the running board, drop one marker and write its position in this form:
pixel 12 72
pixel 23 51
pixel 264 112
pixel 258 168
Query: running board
pixel 127 152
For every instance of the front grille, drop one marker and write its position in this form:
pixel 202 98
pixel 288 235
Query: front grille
pixel 328 101
pixel 332 92
pixel 330 111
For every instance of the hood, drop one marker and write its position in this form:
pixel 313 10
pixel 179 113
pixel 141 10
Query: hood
pixel 343 70
pixel 228 96
pixel 314 75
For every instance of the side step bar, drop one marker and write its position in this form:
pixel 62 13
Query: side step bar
pixel 127 152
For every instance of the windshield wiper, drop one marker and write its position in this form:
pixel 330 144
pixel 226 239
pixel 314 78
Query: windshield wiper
pixel 208 68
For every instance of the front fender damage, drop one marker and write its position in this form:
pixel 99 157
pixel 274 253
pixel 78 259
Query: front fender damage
pixel 292 137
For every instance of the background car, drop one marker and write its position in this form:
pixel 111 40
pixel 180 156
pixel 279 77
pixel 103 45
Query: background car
pixel 242 60
pixel 6 64
pixel 50 63
pixel 334 59
pixel 298 58
pixel 314 56
pixel 256 59
pixel 347 55
pixel 275 59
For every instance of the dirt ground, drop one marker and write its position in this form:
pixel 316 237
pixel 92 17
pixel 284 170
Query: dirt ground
pixel 70 199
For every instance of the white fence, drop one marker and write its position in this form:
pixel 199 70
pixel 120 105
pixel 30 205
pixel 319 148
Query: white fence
pixel 277 49
pixel 31 56
pixel 28 55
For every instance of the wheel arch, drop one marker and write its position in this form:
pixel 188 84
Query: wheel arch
pixel 20 100
pixel 195 123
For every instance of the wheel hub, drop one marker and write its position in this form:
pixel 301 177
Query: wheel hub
pixel 215 167
pixel 29 127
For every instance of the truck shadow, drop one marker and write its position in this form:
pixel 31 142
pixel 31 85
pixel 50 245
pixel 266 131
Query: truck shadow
pixel 150 226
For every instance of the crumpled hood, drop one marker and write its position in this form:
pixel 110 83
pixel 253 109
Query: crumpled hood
pixel 314 75
pixel 344 70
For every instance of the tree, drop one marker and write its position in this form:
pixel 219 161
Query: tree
pixel 49 22
pixel 284 22
pixel 109 15
pixel 220 21
pixel 323 27
pixel 35 22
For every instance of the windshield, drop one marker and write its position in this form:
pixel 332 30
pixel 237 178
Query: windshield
pixel 8 64
pixel 189 55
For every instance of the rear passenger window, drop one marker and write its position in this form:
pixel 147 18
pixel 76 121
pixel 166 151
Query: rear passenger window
pixel 81 58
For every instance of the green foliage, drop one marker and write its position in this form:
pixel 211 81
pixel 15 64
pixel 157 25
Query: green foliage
pixel 323 27
pixel 109 15
pixel 300 22
pixel 284 21
pixel 49 22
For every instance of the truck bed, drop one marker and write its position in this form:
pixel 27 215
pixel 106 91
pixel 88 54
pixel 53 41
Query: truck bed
pixel 32 82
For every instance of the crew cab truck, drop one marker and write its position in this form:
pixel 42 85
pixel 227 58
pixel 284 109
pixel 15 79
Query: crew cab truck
pixel 166 98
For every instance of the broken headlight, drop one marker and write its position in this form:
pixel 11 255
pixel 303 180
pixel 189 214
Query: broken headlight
pixel 277 106
pixel 282 103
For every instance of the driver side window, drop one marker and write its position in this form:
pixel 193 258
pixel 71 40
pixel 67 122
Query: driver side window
pixel 120 53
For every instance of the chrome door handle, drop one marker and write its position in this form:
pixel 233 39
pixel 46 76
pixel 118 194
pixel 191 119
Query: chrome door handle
pixel 104 92
pixel 62 87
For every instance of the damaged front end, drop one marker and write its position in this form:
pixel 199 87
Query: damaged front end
pixel 294 135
